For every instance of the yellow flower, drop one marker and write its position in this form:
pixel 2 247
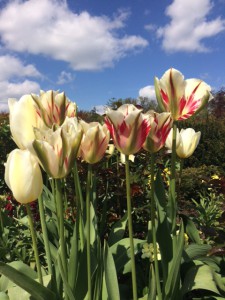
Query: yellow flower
pixel 215 176
pixel 148 252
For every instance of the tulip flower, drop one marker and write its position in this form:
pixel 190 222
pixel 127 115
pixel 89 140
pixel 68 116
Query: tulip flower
pixel 57 150
pixel 160 128
pixel 94 142
pixel 128 128
pixel 53 107
pixel 189 142
pixel 22 118
pixel 186 143
pixel 23 176
pixel 183 98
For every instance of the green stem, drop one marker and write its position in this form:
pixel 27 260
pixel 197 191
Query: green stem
pixel 45 235
pixel 1 222
pixel 158 287
pixel 60 214
pixel 130 228
pixel 172 189
pixel 34 242
pixel 88 214
pixel 80 203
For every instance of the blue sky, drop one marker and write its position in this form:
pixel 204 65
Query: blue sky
pixel 95 50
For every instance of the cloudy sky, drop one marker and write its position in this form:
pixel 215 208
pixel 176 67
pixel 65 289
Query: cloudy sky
pixel 101 49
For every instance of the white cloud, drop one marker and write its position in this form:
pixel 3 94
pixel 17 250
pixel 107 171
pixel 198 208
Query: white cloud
pixel 65 77
pixel 11 66
pixel 150 27
pixel 189 26
pixel 148 92
pixel 14 80
pixel 86 42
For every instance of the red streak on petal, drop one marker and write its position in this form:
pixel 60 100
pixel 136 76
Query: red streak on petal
pixel 172 85
pixel 165 98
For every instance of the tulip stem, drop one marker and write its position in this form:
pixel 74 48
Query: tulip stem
pixel 45 235
pixel 172 188
pixel 34 242
pixel 60 212
pixel 158 287
pixel 130 228
pixel 80 203
pixel 88 222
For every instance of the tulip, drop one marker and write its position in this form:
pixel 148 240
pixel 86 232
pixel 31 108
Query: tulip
pixel 160 128
pixel 128 128
pixel 23 176
pixel 54 107
pixel 94 142
pixel 22 118
pixel 57 150
pixel 189 142
pixel 183 98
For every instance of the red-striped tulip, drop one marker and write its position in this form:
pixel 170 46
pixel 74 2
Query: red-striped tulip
pixel 160 128
pixel 94 142
pixel 54 107
pixel 128 127
pixel 182 98
pixel 57 150
pixel 23 176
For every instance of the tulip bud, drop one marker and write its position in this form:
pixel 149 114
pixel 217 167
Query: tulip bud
pixel 53 107
pixel 23 117
pixel 57 150
pixel 189 142
pixel 160 128
pixel 128 127
pixel 23 176
pixel 183 98
pixel 94 142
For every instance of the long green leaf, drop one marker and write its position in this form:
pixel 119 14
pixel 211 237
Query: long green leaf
pixel 110 275
pixel 121 254
pixel 118 230
pixel 25 282
pixel 172 283
pixel 199 277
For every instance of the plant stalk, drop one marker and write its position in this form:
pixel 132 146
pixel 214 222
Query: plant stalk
pixel 34 242
pixel 45 235
pixel 130 228
pixel 88 214
pixel 158 287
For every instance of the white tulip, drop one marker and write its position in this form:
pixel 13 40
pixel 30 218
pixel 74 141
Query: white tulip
pixel 23 176
pixel 189 142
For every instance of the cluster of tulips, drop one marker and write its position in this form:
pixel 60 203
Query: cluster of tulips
pixel 48 133
pixel 50 136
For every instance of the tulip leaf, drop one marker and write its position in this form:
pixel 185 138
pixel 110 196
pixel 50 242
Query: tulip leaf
pixel 152 285
pixel 172 283
pixel 121 253
pixel 34 288
pixel 163 231
pixel 117 230
pixel 111 275
pixel 199 277
pixel 194 251
pixel 4 296
pixel 191 229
